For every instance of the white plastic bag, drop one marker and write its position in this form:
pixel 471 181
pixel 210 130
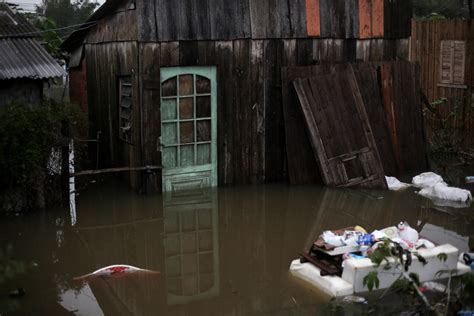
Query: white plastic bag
pixel 427 179
pixel 394 184
pixel 443 192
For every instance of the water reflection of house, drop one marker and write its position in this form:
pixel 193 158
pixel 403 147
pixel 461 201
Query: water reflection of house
pixel 25 64
pixel 196 85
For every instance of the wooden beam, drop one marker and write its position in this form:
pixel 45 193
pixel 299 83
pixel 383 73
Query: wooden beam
pixel 113 170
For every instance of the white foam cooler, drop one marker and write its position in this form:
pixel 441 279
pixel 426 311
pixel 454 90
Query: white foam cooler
pixel 356 269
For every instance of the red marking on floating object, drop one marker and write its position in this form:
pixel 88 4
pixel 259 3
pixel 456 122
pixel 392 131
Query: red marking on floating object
pixel 116 270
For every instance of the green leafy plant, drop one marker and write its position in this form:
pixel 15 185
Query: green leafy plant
pixel 27 135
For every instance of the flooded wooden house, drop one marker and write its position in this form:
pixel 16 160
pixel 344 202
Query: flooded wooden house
pixel 195 85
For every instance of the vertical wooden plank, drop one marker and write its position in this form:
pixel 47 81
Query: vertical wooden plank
pixel 313 20
pixel 257 113
pixel 167 18
pixel 378 18
pixel 304 52
pixel 365 19
pixel 150 109
pixel 284 16
pixel 351 19
pixel 187 29
pixel 333 18
pixel 259 18
pixel 146 20
pixel 242 106
pixel 225 114
pixel 169 54
pixel 302 166
pixel 298 18
pixel 273 28
pixel 188 53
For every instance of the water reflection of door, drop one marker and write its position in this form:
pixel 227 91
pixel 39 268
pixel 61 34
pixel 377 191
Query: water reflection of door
pixel 189 127
pixel 191 247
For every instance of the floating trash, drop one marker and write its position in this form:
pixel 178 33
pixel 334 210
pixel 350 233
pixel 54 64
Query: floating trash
pixel 115 271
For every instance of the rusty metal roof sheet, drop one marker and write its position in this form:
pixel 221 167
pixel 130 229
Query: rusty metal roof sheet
pixel 26 58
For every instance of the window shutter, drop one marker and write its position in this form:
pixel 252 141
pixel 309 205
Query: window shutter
pixel 125 108
pixel 446 62
pixel 459 60
pixel 453 62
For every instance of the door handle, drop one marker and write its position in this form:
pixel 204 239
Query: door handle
pixel 159 145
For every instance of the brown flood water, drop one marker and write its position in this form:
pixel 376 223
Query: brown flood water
pixel 223 253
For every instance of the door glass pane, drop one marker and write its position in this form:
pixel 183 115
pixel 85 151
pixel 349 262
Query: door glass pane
pixel 206 282
pixel 203 85
pixel 173 245
pixel 186 108
pixel 168 109
pixel 174 285
pixel 169 157
pixel 186 85
pixel 188 219
pixel 190 264
pixel 187 156
pixel 169 88
pixel 206 261
pixel 187 132
pixel 173 266
pixel 190 285
pixel 169 134
pixel 204 154
pixel 203 106
pixel 205 216
pixel 203 131
pixel 189 242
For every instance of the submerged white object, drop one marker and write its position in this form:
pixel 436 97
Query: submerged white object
pixel 427 179
pixel 443 192
pixel 331 285
pixel 356 269
pixel 394 184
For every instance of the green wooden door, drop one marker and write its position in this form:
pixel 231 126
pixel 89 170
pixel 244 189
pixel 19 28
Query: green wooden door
pixel 188 128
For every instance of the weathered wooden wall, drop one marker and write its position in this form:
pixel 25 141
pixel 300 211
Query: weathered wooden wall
pixel 251 141
pixel 425 46
pixel 120 25
pixel 78 86
pixel 105 64
pixel 164 20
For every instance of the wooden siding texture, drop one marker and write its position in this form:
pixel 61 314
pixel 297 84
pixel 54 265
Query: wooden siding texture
pixel 180 20
pixel 425 46
pixel 120 25
pixel 105 64
pixel 251 140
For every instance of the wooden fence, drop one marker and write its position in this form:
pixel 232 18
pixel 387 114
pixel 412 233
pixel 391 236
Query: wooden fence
pixel 439 67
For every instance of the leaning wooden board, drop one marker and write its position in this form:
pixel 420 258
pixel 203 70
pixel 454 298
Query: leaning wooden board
pixel 339 130
pixel 302 167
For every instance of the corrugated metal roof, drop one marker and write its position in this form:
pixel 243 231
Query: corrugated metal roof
pixel 26 58
pixel 14 24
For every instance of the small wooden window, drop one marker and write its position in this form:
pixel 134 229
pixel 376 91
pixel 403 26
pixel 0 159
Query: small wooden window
pixel 125 108
pixel 453 59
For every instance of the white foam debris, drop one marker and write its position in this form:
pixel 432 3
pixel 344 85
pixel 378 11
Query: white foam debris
pixel 427 179
pixel 394 184
pixel 443 192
